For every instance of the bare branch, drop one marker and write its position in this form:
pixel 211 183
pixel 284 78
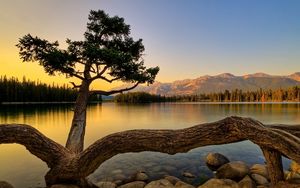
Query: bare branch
pixel 34 141
pixel 75 85
pixel 77 76
pixel 93 70
pixel 103 70
pixel 99 73
pixel 109 80
pixel 106 93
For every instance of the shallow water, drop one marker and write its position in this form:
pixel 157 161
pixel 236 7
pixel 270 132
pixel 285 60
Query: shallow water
pixel 22 169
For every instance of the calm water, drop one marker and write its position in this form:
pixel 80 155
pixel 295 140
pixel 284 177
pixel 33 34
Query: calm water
pixel 22 169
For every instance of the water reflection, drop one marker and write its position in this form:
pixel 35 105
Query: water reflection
pixel 22 169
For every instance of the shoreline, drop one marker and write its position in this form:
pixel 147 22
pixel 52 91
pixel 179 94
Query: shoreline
pixel 173 102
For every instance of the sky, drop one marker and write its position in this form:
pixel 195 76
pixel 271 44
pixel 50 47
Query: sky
pixel 186 39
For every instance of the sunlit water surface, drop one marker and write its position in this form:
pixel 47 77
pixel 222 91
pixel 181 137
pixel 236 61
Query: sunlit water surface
pixel 22 169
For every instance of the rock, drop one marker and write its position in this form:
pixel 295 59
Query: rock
pixel 169 168
pixel 233 170
pixel 260 169
pixel 121 177
pixel 293 177
pixel 219 183
pixel 4 184
pixel 163 183
pixel 259 179
pixel 295 167
pixel 286 185
pixel 286 174
pixel 141 176
pixel 262 186
pixel 181 184
pixel 62 186
pixel 172 179
pixel 117 171
pixel 135 184
pixel 118 182
pixel 215 160
pixel 105 184
pixel 247 182
pixel 188 175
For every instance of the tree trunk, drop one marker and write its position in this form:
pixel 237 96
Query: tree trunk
pixel 274 165
pixel 75 140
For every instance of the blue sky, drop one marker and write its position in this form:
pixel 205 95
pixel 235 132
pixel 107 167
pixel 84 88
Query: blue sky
pixel 186 39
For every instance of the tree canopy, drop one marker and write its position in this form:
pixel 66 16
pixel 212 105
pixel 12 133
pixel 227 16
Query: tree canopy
pixel 107 52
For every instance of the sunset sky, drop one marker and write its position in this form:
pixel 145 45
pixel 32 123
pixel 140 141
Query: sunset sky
pixel 186 39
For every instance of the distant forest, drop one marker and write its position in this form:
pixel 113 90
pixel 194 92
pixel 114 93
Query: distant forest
pixel 14 90
pixel 278 95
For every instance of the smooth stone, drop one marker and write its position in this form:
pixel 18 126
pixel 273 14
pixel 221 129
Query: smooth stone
pixel 181 184
pixel 260 169
pixel 215 160
pixel 105 184
pixel 141 176
pixel 119 177
pixel 172 179
pixel 219 183
pixel 233 170
pixel 169 168
pixel 4 184
pixel 259 179
pixel 135 184
pixel 287 174
pixel 247 182
pixel 188 175
pixel 157 169
pixel 117 171
pixel 118 182
pixel 293 177
pixel 286 185
pixel 149 164
pixel 295 167
pixel 163 183
pixel 62 186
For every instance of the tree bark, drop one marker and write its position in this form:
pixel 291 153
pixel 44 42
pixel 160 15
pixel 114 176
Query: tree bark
pixel 75 142
pixel 228 130
pixel 35 142
pixel 274 165
pixel 69 167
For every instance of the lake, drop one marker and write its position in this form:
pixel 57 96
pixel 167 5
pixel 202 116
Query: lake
pixel 21 169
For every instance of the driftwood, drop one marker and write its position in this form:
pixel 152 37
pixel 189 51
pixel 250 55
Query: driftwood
pixel 72 167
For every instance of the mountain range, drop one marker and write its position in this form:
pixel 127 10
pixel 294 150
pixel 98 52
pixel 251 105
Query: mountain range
pixel 222 82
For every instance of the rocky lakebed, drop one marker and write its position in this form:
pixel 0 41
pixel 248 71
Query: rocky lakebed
pixel 223 174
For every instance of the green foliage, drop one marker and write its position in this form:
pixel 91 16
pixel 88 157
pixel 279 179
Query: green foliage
pixel 138 97
pixel 279 95
pixel 13 90
pixel 106 45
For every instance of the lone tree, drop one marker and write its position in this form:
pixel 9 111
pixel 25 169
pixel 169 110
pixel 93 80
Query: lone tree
pixel 109 54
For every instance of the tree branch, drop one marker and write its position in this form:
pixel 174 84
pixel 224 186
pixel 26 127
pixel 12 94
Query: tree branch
pixel 109 80
pixel 106 93
pixel 75 85
pixel 99 73
pixel 34 141
pixel 228 130
pixel 103 70
pixel 77 76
